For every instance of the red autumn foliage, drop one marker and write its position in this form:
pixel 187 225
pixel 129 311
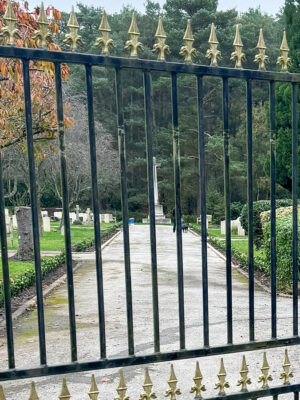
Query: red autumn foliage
pixel 12 117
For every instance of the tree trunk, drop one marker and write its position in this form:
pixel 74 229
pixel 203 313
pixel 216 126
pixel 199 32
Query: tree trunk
pixel 25 236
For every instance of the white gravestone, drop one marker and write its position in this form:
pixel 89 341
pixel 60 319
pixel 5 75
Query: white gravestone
pixel 44 213
pixel 15 224
pixel 58 214
pixel 46 224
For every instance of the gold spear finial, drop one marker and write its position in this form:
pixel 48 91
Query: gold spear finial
pixel 261 58
pixel 73 38
pixel 33 394
pixel 133 45
pixel 198 387
pixel 2 395
pixel 9 29
pixel 244 380
pixel 94 392
pixel 104 41
pixel 160 46
pixel 172 382
pixel 238 56
pixel 265 377
pixel 42 36
pixel 287 373
pixel 65 394
pixel 213 53
pixel 284 60
pixel 147 394
pixel 122 388
pixel 188 51
pixel 222 384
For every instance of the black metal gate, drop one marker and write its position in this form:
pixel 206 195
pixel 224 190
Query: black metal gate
pixel 174 69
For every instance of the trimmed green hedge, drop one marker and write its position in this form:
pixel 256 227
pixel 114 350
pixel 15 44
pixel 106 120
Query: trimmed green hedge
pixel 27 278
pixel 258 207
pixel 284 249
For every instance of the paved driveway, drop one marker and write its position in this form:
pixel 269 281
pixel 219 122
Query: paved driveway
pixel 56 312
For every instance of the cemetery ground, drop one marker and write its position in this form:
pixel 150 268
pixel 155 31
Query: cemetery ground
pixel 57 329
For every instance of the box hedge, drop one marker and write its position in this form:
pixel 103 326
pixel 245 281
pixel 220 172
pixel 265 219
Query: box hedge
pixel 259 207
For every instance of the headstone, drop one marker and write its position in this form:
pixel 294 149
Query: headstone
pixel 89 219
pixel 62 230
pixel 44 213
pixel 6 212
pixel 58 215
pixel 15 222
pixel 223 227
pixel 77 220
pixel 72 216
pixel 46 224
pixel 107 218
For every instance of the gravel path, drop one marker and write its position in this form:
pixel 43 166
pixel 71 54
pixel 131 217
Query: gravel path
pixel 57 331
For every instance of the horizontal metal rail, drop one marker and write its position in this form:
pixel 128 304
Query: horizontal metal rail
pixel 151 65
pixel 144 359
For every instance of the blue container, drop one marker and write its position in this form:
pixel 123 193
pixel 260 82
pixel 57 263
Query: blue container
pixel 131 221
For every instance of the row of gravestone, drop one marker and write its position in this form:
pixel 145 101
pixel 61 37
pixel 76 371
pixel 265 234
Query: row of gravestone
pixel 85 218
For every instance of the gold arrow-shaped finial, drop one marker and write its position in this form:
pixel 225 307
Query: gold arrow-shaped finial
pixel 105 42
pixel 122 388
pixel 133 45
pixel 287 373
pixel 73 38
pixel 65 394
pixel 188 51
pixel 172 382
pixel 265 377
pixel 238 56
pixel 284 60
pixel 147 394
pixel 42 36
pixel 261 58
pixel 33 394
pixel 9 29
pixel 160 46
pixel 213 53
pixel 244 380
pixel 2 395
pixel 198 387
pixel 222 384
pixel 94 392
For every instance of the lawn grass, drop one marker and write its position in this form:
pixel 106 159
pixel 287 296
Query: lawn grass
pixel 16 268
pixel 217 232
pixel 54 241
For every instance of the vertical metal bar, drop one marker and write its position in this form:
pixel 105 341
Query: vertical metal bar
pixel 65 203
pixel 227 209
pixel 176 158
pixel 5 275
pixel 124 199
pixel 202 176
pixel 34 212
pixel 148 127
pixel 296 395
pixel 295 206
pixel 273 210
pixel 250 211
pixel 96 211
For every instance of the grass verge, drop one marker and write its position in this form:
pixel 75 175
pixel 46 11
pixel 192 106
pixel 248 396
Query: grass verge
pixel 22 275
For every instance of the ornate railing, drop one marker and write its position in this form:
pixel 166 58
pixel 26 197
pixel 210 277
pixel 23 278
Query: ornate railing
pixel 43 37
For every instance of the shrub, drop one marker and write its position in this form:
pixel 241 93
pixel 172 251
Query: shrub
pixel 284 238
pixel 236 209
pixel 259 207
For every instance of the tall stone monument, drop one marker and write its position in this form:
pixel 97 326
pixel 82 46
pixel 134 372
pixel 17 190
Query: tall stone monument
pixel 159 212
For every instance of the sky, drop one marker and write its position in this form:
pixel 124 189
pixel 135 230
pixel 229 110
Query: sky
pixel 269 6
